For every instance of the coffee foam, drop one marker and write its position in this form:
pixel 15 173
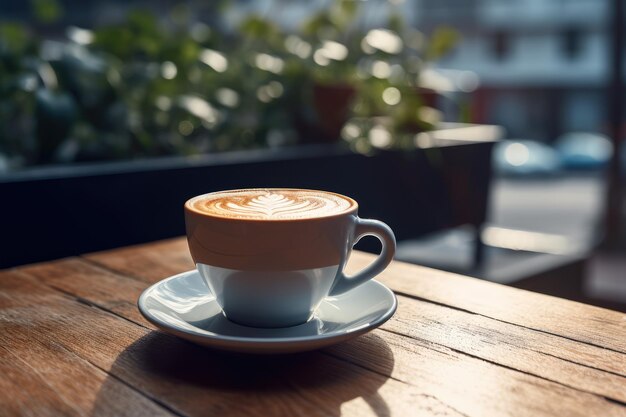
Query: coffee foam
pixel 272 204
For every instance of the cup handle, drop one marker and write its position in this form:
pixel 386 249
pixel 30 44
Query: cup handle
pixel 378 229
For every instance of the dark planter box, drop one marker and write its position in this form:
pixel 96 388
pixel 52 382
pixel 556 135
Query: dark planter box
pixel 55 212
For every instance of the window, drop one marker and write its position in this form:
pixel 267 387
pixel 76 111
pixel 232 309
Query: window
pixel 501 45
pixel 572 43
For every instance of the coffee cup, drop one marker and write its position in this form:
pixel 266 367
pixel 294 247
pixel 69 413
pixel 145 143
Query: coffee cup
pixel 270 256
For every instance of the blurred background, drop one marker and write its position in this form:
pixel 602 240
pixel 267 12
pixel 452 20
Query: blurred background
pixel 485 132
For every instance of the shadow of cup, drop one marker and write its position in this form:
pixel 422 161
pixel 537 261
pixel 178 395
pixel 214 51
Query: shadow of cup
pixel 193 380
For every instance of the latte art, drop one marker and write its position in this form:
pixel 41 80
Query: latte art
pixel 272 204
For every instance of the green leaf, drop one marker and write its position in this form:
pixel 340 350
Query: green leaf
pixel 442 41
pixel 258 27
pixel 13 37
pixel 180 14
pixel 313 25
pixel 396 23
pixel 343 12
pixel 143 22
pixel 46 11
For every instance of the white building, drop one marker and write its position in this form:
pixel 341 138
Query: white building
pixel 543 64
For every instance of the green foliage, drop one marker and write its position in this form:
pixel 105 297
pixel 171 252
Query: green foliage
pixel 14 40
pixel 150 86
pixel 441 42
pixel 46 11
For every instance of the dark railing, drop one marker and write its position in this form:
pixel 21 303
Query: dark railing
pixel 57 212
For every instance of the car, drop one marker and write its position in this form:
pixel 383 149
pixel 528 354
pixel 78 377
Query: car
pixel 521 157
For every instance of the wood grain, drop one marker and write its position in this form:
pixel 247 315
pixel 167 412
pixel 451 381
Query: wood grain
pixel 572 364
pixel 73 342
pixel 445 377
pixel 554 358
pixel 190 380
pixel 40 376
pixel 546 354
pixel 581 322
pixel 112 292
pixel 475 387
pixel 150 262
pixel 23 392
pixel 179 375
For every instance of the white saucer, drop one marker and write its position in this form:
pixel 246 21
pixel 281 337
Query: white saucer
pixel 183 306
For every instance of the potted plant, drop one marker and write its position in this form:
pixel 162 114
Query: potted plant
pixel 184 92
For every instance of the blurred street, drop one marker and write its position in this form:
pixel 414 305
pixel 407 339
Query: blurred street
pixel 569 206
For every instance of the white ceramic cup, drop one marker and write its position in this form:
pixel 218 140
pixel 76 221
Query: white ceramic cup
pixel 274 273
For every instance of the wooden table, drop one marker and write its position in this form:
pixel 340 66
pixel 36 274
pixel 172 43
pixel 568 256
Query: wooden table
pixel 72 342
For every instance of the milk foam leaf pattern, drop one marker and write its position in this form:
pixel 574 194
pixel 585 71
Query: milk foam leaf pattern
pixel 272 204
